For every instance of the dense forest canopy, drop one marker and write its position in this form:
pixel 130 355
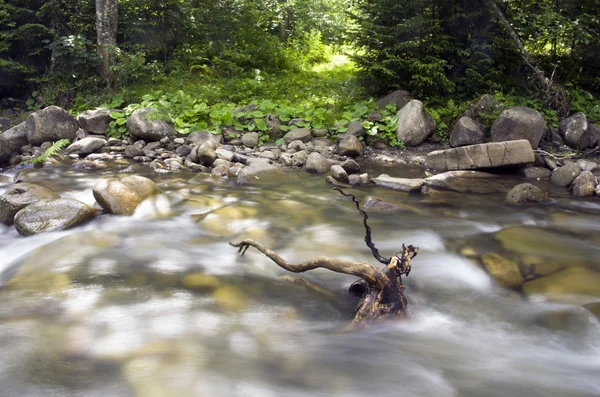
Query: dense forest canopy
pixel 433 48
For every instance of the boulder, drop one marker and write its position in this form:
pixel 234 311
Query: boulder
pixel 415 126
pixel 585 184
pixel 146 124
pixel 317 164
pixel 504 271
pixel 339 174
pixel 577 132
pixel 204 155
pixel 355 128
pixel 351 167
pixel 16 137
pixel 255 171
pixel 95 121
pixel 297 145
pixel 250 139
pixel 525 193
pixel 399 98
pixel 201 137
pixel 86 146
pixel 19 196
pixel 273 123
pixel 517 123
pixel 6 151
pixel 485 105
pixel 539 173
pixel 466 132
pixel 4 124
pixel 49 215
pixel 298 134
pixel 401 184
pixel 485 155
pixel 466 182
pixel 319 132
pixel 351 146
pixel 49 125
pixel 122 196
pixel 565 175
pixel 576 284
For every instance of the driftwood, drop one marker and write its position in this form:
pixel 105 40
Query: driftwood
pixel 381 291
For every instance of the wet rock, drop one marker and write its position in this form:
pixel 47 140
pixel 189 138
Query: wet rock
pixel 525 193
pixel 466 182
pixel 317 164
pixel 204 155
pixel 539 173
pixel 373 203
pixel 95 121
pixel 504 271
pixel 594 308
pixel 86 146
pixel 565 175
pixel 485 155
pixel 200 282
pixel 250 139
pixel 226 221
pixel 49 125
pixel 415 126
pixel 577 132
pixel 399 98
pixel 351 167
pixel 568 319
pixel 351 146
pixel 574 284
pixel 122 196
pixel 255 172
pixel 16 137
pixel 298 134
pixel 401 184
pixel 296 145
pixel 364 179
pixel 49 215
pixel 5 151
pixel 518 123
pixel 354 179
pixel 585 184
pixel 19 196
pixel 466 132
pixel 5 180
pixel 146 124
pixel 339 174
pixel 230 298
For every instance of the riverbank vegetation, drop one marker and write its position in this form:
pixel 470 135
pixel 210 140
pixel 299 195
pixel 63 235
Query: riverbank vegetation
pixel 316 61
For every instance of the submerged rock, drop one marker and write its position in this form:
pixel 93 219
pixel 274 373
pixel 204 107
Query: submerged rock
pixel 122 196
pixel 51 215
pixel 525 193
pixel 505 271
pixel 255 171
pixel 575 284
pixel 19 196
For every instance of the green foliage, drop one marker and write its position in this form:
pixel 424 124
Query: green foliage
pixel 445 114
pixel 50 152
pixel 582 101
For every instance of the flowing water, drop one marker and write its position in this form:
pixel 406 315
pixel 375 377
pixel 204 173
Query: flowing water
pixel 159 304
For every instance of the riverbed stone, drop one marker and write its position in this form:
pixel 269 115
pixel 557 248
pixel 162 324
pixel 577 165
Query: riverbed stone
pixel 525 193
pixel 49 215
pixel 297 134
pixel 122 196
pixel 250 139
pixel 516 123
pixel 204 155
pixel 466 182
pixel 297 145
pixel 19 196
pixel 16 137
pixel 482 156
pixel 585 184
pixel 400 184
pixel 575 284
pixel 351 146
pixel 49 125
pixel 539 173
pixel 146 124
pixel 594 308
pixel 504 271
pixel 351 167
pixel 578 132
pixel 415 125
pixel 339 174
pixel 565 175
pixel 317 164
pixel 466 132
pixel 299 158
pixel 95 121
pixel 86 146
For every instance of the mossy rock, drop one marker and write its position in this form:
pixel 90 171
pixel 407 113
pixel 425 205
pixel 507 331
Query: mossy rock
pixel 571 285
pixel 200 282
pixel 505 271
pixel 230 298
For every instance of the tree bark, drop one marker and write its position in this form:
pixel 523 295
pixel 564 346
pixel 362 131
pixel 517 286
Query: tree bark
pixel 106 32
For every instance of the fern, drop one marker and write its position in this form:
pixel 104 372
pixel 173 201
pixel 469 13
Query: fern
pixel 50 152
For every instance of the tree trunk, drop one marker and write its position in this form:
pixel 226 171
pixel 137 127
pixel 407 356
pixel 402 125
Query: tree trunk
pixel 106 31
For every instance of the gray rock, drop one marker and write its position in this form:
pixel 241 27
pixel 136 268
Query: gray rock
pixel 50 215
pixel 183 150
pixel 225 154
pixel 364 179
pixel 565 175
pixel 485 105
pixel 415 126
pixel 485 155
pixel 299 158
pixel 585 184
pixel 517 123
pixel 351 167
pixel 319 132
pixel 351 146
pixel 296 145
pixel 317 164
pixel 255 172
pixel 339 174
pixel 122 196
pixel 539 173
pixel 19 196
pixel 146 124
pixel 86 146
pixel 4 124
pixel 375 115
pixel 577 132
pixel 401 184
pixel 355 128
pixel 297 121
pixel 378 142
pixel 466 182
pixel 95 121
pixel 6 151
pixel 466 132
pixel 286 159
pixel 269 155
pixel 400 98
pixel 273 123
pixel 525 193
pixel 354 179
pixel 250 139
pixel 49 125
pixel 132 151
pixel 179 141
pixel 201 137
pixel 298 134
pixel 16 137
pixel 204 155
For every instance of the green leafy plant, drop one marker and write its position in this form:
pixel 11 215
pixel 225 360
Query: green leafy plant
pixel 50 152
